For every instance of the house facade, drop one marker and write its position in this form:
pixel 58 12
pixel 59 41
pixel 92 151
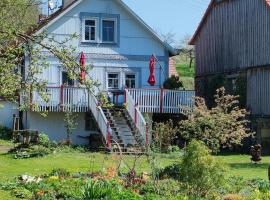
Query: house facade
pixel 232 49
pixel 118 44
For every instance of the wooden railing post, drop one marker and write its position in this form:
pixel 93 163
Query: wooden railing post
pixel 125 96
pixel 161 99
pixel 108 135
pixel 62 97
pixel 146 134
pixel 135 114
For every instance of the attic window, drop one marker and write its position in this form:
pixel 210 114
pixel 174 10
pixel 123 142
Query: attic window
pixel 89 32
pixel 109 30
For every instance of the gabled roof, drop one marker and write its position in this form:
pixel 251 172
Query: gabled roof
pixel 198 30
pixel 58 14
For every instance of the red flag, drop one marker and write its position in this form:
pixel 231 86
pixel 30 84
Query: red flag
pixel 152 79
pixel 82 63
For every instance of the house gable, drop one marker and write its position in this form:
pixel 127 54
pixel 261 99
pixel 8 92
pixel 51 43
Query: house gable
pixel 131 25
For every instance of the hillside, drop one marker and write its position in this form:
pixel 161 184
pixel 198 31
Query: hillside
pixel 185 72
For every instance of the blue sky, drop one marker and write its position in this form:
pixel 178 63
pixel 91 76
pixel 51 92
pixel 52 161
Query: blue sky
pixel 180 17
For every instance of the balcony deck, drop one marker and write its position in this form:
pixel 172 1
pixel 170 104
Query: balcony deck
pixel 147 100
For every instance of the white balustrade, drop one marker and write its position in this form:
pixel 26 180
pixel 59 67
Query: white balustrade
pixel 136 116
pixel 162 100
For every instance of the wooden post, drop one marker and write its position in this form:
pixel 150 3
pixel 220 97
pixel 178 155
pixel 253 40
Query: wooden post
pixel 117 100
pixel 135 114
pixel 147 134
pixel 62 97
pixel 125 96
pixel 161 99
pixel 108 135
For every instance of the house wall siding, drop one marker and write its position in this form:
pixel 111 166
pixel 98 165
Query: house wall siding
pixel 131 53
pixel 7 109
pixel 54 126
pixel 235 36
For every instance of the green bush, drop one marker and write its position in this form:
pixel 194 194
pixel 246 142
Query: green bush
pixel 171 171
pixel 96 190
pixel 60 172
pixel 5 133
pixel 44 140
pixel 200 172
pixel 173 83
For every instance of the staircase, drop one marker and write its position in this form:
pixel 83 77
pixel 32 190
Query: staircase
pixel 123 131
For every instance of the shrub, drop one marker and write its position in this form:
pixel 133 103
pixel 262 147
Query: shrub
pixel 201 172
pixel 173 83
pixel 5 133
pixel 163 134
pixel 171 171
pixel 96 190
pixel 222 126
pixel 44 140
pixel 60 172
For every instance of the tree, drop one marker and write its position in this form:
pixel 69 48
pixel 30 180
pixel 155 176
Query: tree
pixel 163 134
pixel 20 42
pixel 222 126
pixel 70 120
pixel 187 51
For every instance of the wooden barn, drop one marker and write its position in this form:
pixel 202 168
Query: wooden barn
pixel 232 46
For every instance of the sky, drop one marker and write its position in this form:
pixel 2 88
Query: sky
pixel 180 17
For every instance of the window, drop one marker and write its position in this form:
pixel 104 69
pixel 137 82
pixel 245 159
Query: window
pixel 113 81
pixel 108 30
pixel 66 80
pixel 130 80
pixel 90 30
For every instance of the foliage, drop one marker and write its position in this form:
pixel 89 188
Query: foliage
pixel 19 37
pixel 96 190
pixel 103 100
pixel 31 151
pixel 223 126
pixel 60 172
pixel 5 133
pixel 163 134
pixel 173 83
pixel 201 172
pixel 172 171
pixel 70 120
pixel 44 140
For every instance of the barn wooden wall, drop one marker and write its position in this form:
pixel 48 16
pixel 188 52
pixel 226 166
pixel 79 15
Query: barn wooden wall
pixel 258 91
pixel 236 35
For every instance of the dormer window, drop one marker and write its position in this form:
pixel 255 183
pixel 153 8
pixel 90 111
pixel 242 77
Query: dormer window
pixel 90 31
pixel 109 30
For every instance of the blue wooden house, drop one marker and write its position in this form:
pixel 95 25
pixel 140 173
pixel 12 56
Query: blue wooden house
pixel 118 44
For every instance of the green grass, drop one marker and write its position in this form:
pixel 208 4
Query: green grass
pixel 186 74
pixel 185 71
pixel 89 162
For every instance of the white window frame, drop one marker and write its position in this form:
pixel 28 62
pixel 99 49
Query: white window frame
pixel 96 29
pixel 119 80
pixel 115 30
pixel 136 81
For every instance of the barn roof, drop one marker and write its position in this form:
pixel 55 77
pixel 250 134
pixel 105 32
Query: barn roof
pixel 207 12
pixel 58 14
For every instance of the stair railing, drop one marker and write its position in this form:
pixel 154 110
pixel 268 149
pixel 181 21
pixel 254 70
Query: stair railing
pixel 100 118
pixel 136 116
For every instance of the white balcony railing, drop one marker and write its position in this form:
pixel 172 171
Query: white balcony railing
pixel 60 99
pixel 162 100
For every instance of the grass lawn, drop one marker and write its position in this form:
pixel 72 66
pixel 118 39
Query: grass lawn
pixel 186 75
pixel 90 162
